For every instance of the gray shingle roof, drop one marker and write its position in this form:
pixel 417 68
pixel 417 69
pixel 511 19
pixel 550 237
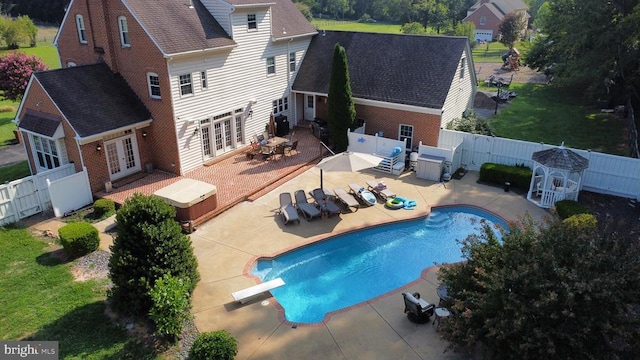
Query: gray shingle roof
pixel 561 158
pixel 404 69
pixel 176 28
pixel 287 16
pixel 40 123
pixel 93 99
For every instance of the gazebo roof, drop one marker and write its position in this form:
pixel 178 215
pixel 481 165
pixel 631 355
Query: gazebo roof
pixel 561 158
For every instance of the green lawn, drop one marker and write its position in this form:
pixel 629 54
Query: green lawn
pixel 41 301
pixel 377 27
pixel 14 171
pixel 545 113
pixel 492 52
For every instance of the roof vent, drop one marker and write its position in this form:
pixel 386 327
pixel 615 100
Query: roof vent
pixel 324 33
pixel 190 4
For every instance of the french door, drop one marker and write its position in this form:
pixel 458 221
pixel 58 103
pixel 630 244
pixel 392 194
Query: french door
pixel 122 156
pixel 222 136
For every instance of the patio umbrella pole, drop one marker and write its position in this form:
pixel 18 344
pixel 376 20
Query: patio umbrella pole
pixel 321 187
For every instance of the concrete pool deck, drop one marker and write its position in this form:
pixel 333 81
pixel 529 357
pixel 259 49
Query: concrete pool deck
pixel 377 329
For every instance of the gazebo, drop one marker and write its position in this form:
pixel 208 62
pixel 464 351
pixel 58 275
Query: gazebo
pixel 557 175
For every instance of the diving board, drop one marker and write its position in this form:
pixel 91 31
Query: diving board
pixel 247 294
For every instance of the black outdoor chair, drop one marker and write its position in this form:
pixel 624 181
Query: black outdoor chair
pixel 417 309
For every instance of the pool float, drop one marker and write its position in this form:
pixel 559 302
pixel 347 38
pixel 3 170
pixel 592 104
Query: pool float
pixel 395 203
pixel 410 204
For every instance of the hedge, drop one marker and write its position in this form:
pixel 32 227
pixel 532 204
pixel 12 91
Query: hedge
pixel 518 176
pixel 568 208
pixel 103 206
pixel 79 239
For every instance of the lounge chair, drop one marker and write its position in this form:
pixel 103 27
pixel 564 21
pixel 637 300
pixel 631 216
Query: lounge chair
pixel 309 211
pixel 365 196
pixel 379 189
pixel 287 210
pixel 319 197
pixel 417 309
pixel 347 199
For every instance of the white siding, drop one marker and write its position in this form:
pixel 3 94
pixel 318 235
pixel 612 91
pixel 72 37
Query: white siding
pixel 220 11
pixel 234 79
pixel 461 92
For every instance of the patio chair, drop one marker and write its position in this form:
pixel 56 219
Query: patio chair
pixel 347 199
pixel 266 152
pixel 287 210
pixel 292 147
pixel 308 210
pixel 319 197
pixel 279 150
pixel 365 196
pixel 379 189
pixel 418 310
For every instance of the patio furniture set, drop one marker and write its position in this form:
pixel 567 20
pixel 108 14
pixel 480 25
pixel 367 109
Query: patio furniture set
pixel 326 201
pixel 419 311
pixel 268 147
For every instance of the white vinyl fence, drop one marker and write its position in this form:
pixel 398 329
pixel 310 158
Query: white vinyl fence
pixel 31 195
pixel 607 174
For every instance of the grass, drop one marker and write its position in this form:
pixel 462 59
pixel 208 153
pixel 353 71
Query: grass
pixel 14 171
pixel 552 115
pixel 492 52
pixel 377 27
pixel 41 301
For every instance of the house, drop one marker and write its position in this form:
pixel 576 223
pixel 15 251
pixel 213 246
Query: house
pixel 414 87
pixel 173 84
pixel 487 15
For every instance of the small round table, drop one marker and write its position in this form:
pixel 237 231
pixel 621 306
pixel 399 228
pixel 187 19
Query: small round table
pixel 440 313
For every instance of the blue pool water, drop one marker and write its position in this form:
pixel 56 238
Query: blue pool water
pixel 348 269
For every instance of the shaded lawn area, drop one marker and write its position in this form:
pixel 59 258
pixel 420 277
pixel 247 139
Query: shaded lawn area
pixel 14 171
pixel 41 301
pixel 548 114
pixel 492 52
pixel 7 137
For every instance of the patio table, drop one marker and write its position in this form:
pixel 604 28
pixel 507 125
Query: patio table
pixel 275 142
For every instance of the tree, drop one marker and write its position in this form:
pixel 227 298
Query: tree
pixel 28 28
pixel 15 72
pixel 305 10
pixel 341 112
pixel 413 28
pixel 560 291
pixel 149 245
pixel 171 304
pixel 511 29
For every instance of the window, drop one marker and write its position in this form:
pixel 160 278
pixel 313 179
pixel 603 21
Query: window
pixel 252 22
pixel 292 61
pixel 310 101
pixel 124 31
pixel 46 152
pixel 203 80
pixel 483 20
pixel 154 85
pixel 463 66
pixel 239 128
pixel 271 65
pixel 406 132
pixel 186 86
pixel 280 105
pixel 82 36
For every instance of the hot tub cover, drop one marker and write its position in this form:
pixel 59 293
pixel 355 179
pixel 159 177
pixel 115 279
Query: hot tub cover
pixel 186 193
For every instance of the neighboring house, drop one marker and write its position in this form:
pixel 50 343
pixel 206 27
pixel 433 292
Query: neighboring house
pixel 487 15
pixel 404 86
pixel 171 84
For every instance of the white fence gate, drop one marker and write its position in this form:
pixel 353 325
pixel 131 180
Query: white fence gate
pixel 31 195
pixel 607 174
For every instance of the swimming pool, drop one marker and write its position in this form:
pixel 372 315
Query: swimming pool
pixel 351 268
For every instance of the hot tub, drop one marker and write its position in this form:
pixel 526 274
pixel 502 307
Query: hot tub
pixel 191 198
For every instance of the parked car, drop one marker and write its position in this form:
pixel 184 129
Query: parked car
pixel 320 129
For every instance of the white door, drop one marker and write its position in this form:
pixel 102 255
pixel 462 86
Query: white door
pixel 223 136
pixel 122 157
pixel 310 107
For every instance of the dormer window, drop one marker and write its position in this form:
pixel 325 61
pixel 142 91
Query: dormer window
pixel 124 31
pixel 81 30
pixel 252 22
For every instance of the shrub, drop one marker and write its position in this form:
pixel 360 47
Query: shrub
pixel 148 245
pixel 7 108
pixel 567 208
pixel 103 207
pixel 214 345
pixel 171 305
pixel 79 239
pixel 471 123
pixel 519 176
pixel 585 222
